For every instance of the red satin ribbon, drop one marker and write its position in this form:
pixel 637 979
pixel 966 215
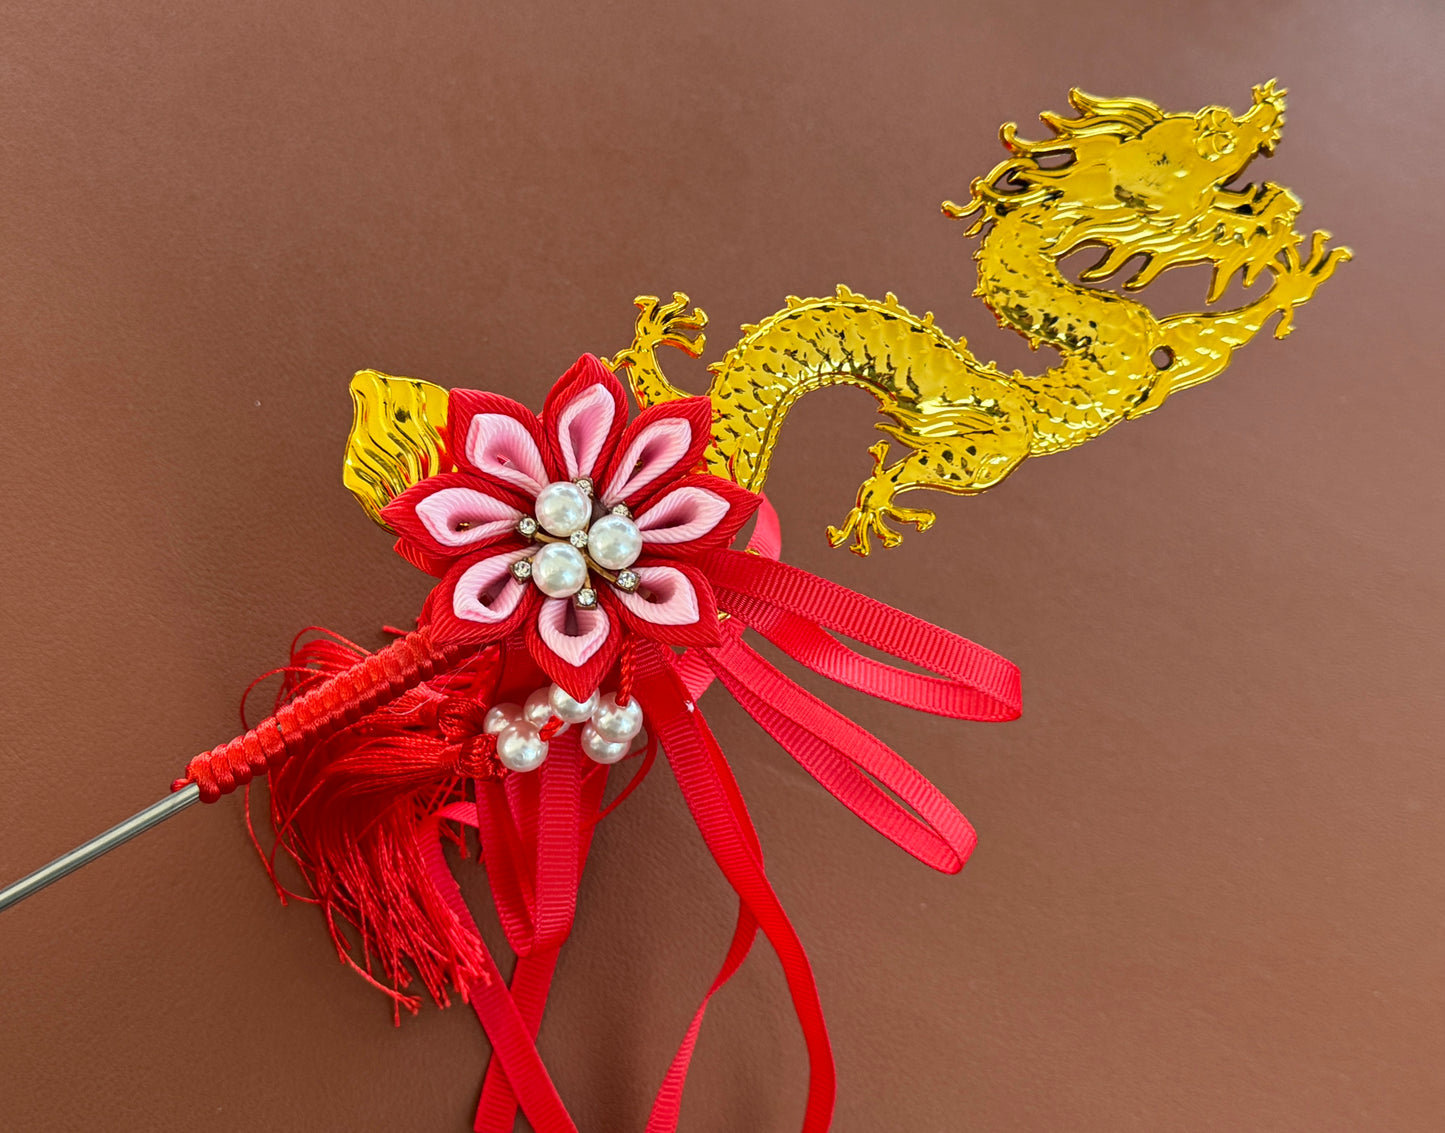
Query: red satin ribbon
pixel 536 829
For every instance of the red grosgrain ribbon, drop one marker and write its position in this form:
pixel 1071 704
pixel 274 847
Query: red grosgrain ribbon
pixel 793 609
pixel 717 807
pixel 536 829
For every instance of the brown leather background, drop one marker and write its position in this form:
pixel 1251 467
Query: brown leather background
pixel 1210 888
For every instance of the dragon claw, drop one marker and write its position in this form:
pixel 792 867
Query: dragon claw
pixel 864 522
pixel 663 324
pixel 669 324
pixel 875 507
pixel 659 324
pixel 921 518
pixel 836 535
pixel 1301 273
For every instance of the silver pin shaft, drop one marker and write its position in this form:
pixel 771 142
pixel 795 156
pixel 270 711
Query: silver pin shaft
pixel 100 844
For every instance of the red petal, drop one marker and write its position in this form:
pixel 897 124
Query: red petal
pixel 586 375
pixel 401 513
pixel 693 412
pixel 465 406
pixel 741 506
pixel 439 613
pixel 436 565
pixel 704 631
pixel 578 680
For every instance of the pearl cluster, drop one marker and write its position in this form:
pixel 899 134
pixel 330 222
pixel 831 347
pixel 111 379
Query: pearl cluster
pixel 609 730
pixel 578 533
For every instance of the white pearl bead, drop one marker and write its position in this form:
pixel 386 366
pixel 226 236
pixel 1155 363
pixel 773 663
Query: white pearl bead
pixel 602 750
pixel 559 570
pixel 538 709
pixel 573 711
pixel 520 748
pixel 614 542
pixel 499 716
pixel 617 722
pixel 563 508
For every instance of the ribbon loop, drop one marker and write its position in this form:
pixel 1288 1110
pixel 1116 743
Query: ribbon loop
pixel 793 609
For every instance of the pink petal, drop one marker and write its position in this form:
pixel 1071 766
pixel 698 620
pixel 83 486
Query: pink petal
pixel 654 451
pixel 573 634
pixel 682 515
pixel 486 592
pixel 502 446
pixel 582 431
pixel 459 517
pixel 665 597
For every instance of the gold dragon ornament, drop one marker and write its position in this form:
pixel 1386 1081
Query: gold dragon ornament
pixel 1122 176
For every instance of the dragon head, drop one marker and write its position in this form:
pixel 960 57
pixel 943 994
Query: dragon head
pixel 1126 176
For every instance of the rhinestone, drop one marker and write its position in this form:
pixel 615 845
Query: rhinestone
pixel 586 598
pixel 622 510
pixel 578 539
pixel 527 526
pixel 585 483
pixel 627 580
pixel 522 570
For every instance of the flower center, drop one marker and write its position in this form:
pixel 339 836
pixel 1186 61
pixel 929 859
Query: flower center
pixel 579 537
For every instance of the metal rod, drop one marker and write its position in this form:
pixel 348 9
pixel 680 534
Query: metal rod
pixel 102 843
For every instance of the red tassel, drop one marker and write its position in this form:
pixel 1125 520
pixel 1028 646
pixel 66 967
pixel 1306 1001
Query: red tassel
pixel 348 808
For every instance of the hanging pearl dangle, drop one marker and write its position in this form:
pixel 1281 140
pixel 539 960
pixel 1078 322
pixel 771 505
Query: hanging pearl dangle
pixel 610 730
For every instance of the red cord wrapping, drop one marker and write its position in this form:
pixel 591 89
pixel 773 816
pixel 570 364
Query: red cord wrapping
pixel 316 713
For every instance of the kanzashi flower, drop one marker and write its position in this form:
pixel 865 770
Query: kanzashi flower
pixel 576 527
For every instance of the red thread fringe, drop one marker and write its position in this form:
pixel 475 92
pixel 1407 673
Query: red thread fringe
pixel 349 807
